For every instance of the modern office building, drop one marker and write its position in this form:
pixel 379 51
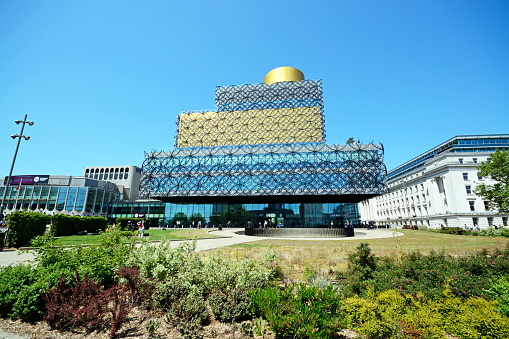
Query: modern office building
pixel 261 155
pixel 59 194
pixel 437 187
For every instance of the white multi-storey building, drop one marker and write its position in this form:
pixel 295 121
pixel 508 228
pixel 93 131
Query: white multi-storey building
pixel 437 187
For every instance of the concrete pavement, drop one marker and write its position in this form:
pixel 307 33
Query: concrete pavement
pixel 230 236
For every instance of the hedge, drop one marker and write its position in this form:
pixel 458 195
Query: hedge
pixel 23 226
pixel 62 225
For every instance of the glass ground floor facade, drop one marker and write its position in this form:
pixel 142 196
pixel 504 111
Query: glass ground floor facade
pixel 165 214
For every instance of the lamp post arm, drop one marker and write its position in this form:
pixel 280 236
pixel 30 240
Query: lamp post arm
pixel 12 167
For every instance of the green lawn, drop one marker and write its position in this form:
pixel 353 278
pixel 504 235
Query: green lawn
pixel 295 255
pixel 153 234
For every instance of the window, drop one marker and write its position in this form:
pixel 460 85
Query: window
pixel 504 221
pixel 460 160
pixel 468 189
pixel 486 206
pixel 474 160
pixel 472 205
pixel 490 221
pixel 126 173
pixel 479 176
pixel 465 176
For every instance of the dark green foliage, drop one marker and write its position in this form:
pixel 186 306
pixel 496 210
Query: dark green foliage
pixel 24 226
pixel 299 311
pixel 361 266
pixel 99 262
pixel 497 194
pixel 416 272
pixel 123 223
pixel 62 225
pixel 234 305
pixel 181 302
pixel 21 287
pixel 500 291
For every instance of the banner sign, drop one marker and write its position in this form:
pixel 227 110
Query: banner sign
pixel 28 180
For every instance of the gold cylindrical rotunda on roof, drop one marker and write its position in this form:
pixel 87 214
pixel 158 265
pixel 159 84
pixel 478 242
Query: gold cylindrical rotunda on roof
pixel 282 74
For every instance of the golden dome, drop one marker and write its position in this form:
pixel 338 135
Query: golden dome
pixel 282 74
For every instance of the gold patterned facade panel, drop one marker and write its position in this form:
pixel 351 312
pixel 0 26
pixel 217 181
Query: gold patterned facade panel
pixel 266 126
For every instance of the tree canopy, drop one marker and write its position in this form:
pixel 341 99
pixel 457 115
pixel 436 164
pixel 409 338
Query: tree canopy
pixel 497 193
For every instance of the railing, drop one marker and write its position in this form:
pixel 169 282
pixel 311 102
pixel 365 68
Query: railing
pixel 310 232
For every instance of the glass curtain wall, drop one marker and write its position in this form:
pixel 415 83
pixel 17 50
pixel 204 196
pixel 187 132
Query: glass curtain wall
pixel 283 214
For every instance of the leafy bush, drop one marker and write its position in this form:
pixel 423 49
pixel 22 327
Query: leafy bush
pixel 139 288
pixel 123 223
pixel 234 305
pixel 62 225
pixel 99 262
pixel 415 272
pixel 186 268
pixel 300 311
pixel 85 303
pixel 21 287
pixel 500 291
pixel 24 226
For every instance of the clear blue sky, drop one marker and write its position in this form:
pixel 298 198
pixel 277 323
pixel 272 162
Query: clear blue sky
pixel 105 80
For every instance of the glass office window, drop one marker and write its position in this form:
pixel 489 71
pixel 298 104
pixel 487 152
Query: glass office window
pixel 71 198
pixel 36 193
pixel 98 201
pixel 2 189
pixel 45 192
pixel 53 193
pixel 28 192
pixel 80 198
pixel 51 205
pixel 90 199
pixel 106 200
pixel 61 198
pixel 21 191
pixel 13 192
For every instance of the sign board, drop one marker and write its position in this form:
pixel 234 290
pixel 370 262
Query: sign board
pixel 28 180
pixel 139 215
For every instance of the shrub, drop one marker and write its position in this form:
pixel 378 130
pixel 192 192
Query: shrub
pixel 62 225
pixel 24 226
pixel 124 226
pixel 500 291
pixel 85 303
pixel 99 262
pixel 231 306
pixel 21 287
pixel 299 311
pixel 140 289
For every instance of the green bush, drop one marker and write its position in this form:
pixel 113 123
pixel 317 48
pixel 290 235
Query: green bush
pixel 300 311
pixel 123 223
pixel 415 272
pixel 500 291
pixel 63 225
pixel 21 289
pixel 24 226
pixel 232 306
pixel 99 261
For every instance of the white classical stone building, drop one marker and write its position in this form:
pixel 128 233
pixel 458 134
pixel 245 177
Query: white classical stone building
pixel 437 187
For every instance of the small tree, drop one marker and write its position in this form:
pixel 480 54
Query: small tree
pixel 497 169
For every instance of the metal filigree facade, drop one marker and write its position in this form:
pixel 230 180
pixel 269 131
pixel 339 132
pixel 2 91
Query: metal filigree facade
pixel 265 170
pixel 287 112
pixel 264 141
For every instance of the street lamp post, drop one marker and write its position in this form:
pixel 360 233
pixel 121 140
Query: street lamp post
pixel 19 136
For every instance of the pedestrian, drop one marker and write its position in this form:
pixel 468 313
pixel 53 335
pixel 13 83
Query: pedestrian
pixel 141 228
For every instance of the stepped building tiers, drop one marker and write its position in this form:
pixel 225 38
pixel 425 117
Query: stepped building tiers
pixel 261 156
